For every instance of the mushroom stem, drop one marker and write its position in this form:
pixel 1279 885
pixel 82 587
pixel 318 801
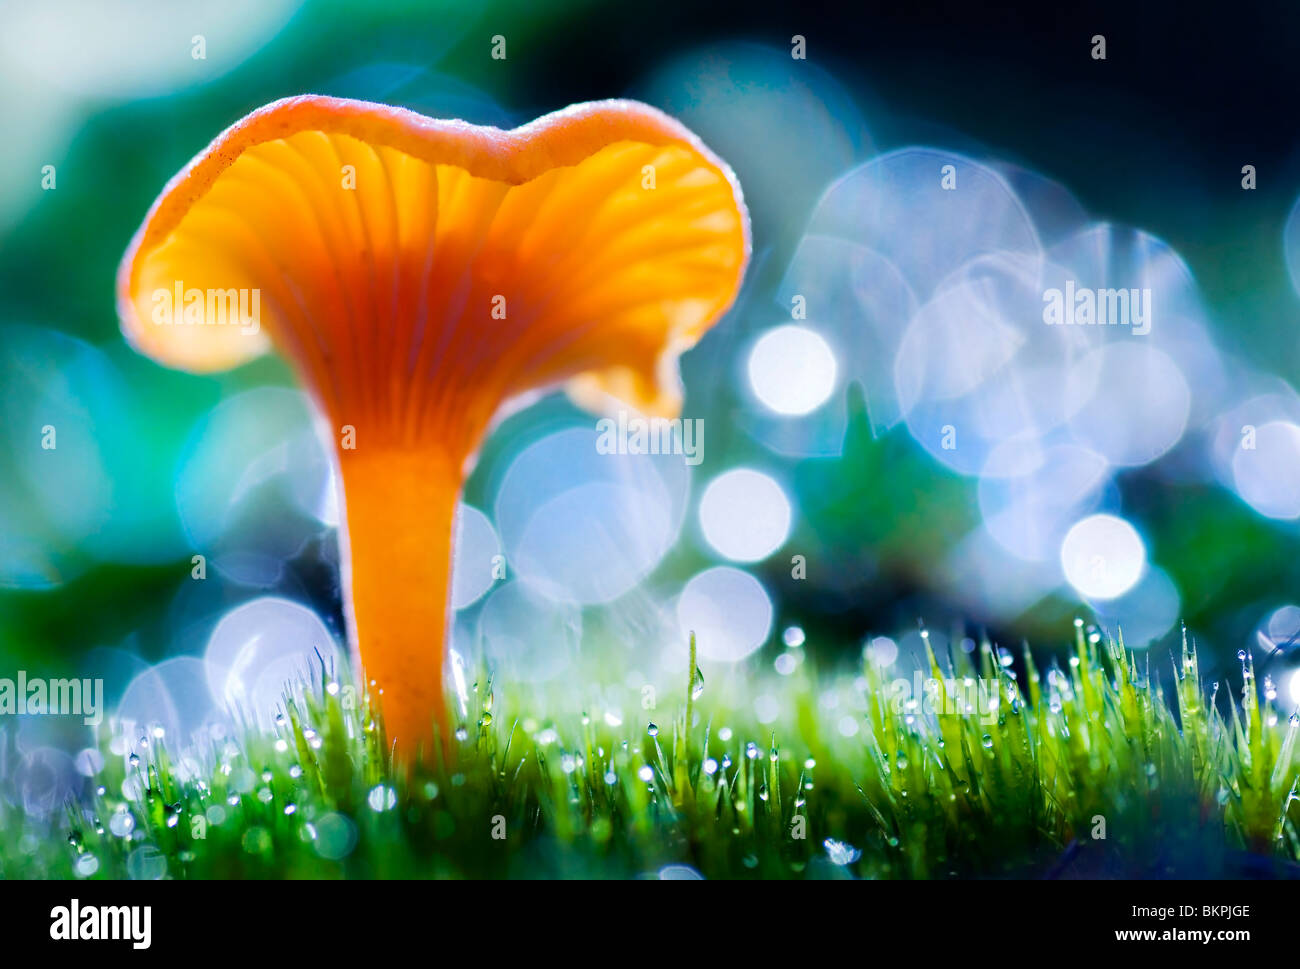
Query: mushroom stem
pixel 396 547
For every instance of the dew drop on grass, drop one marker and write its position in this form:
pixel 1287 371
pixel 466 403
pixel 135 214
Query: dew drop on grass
pixel 652 729
pixel 987 741
pixel 122 823
pixel 381 798
pixel 646 773
pixel 86 865
pixel 902 761
pixel 841 852
pixel 697 684
pixel 462 734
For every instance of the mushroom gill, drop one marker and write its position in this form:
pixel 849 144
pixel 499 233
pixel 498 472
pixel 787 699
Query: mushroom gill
pixel 418 275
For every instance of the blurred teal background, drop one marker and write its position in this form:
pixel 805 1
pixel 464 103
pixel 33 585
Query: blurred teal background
pixel 824 435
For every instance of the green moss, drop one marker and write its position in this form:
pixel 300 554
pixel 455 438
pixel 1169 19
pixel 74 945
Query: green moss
pixel 851 778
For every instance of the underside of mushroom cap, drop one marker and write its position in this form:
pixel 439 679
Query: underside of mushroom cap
pixel 416 270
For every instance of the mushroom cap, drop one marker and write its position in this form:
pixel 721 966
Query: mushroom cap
pixel 410 266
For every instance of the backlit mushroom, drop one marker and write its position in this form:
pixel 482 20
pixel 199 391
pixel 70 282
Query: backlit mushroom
pixel 419 275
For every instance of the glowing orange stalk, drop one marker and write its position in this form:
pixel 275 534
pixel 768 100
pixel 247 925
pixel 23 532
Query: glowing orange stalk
pixel 419 275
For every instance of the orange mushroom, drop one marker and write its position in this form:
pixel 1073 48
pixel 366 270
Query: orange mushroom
pixel 420 274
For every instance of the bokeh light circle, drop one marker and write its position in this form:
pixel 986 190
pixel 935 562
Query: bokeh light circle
pixel 792 369
pixel 745 515
pixel 728 610
pixel 262 650
pixel 1103 556
pixel 1267 473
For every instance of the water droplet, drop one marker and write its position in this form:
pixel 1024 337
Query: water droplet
pixel 987 741
pixel 652 730
pixel 697 684
pixel 841 852
pixel 86 865
pixel 381 798
pixel 122 823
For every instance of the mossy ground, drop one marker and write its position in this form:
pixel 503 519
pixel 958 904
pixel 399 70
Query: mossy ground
pixel 844 778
